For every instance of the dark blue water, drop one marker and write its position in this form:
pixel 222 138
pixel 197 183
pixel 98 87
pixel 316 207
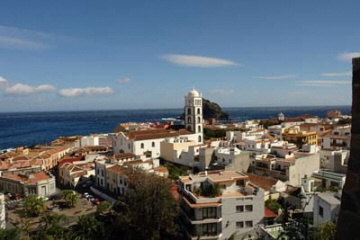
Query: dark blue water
pixel 25 129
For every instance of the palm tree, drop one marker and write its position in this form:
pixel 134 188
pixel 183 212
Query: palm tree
pixel 9 234
pixel 52 220
pixel 88 228
pixel 34 205
pixel 70 197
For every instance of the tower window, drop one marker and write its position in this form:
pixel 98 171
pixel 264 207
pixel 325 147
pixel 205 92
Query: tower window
pixel 198 111
pixel 199 120
pixel 153 144
pixel 142 145
pixel 199 128
pixel 189 111
pixel 189 119
pixel 199 138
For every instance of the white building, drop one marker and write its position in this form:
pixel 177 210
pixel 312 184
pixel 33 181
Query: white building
pixel 326 207
pixel 338 139
pixel 193 114
pixel 236 210
pixel 147 142
pixel 2 211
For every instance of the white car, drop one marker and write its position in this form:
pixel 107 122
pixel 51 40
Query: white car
pixel 86 195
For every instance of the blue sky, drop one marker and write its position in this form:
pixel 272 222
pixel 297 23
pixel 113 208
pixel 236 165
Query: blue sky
pixel 86 54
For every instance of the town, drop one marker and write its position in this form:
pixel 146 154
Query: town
pixel 258 179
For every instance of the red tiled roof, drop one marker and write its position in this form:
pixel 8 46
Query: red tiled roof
pixel 265 183
pixel 269 214
pixel 36 177
pixel 117 169
pixel 154 134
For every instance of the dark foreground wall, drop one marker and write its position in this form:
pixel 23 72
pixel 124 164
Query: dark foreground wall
pixel 348 226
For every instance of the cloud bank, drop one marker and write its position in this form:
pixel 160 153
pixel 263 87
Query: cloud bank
pixel 197 61
pixel 279 77
pixel 76 92
pixel 3 82
pixel 348 56
pixel 124 80
pixel 18 43
pixel 20 89
pixel 341 74
pixel 322 83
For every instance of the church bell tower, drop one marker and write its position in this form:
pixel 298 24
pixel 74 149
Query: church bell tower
pixel 193 113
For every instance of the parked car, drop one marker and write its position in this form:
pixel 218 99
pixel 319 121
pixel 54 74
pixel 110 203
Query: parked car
pixel 55 197
pixel 96 201
pixel 85 195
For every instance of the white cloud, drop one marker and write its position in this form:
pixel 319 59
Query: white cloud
pixel 24 39
pixel 3 82
pixel 18 43
pixel 222 91
pixel 340 74
pixel 279 77
pixel 198 61
pixel 124 80
pixel 348 56
pixel 20 89
pixel 76 92
pixel 322 83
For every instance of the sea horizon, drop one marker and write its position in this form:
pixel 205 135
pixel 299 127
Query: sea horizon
pixel 148 109
pixel 30 128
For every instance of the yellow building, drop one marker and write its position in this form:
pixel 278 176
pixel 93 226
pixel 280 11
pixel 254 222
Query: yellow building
pixel 294 135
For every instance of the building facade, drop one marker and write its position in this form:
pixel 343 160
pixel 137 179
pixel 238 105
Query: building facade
pixel 235 210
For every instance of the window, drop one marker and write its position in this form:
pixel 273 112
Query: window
pixel 248 208
pixel 189 119
pixel 230 161
pixel 239 224
pixel 240 208
pixel 240 183
pixel 142 145
pixel 209 229
pixel 249 224
pixel 199 128
pixel 209 213
pixel 199 139
pixel 189 111
pixel 128 145
pixel 223 159
pixel 153 144
pixel 321 211
pixel 199 120
pixel 198 111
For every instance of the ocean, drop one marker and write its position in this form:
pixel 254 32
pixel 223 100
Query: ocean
pixel 29 128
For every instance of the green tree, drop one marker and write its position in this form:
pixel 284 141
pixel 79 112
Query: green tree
pixel 88 228
pixel 71 198
pixel 103 207
pixel 326 231
pixel 10 234
pixel 52 228
pixel 148 209
pixel 34 205
pixel 273 205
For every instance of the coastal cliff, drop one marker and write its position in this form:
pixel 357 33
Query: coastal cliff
pixel 211 110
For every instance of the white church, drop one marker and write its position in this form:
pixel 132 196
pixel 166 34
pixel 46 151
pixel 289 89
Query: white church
pixel 180 146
